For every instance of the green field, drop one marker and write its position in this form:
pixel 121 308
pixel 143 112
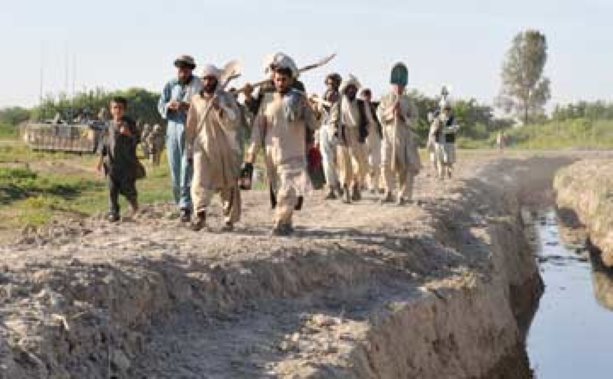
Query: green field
pixel 36 187
pixel 569 134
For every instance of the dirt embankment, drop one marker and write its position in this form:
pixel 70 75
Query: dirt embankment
pixel 585 190
pixel 445 288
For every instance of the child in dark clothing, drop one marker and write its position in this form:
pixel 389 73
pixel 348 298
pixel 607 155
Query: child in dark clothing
pixel 118 158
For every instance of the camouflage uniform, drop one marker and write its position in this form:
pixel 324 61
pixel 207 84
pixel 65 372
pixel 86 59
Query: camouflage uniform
pixel 145 141
pixel 156 141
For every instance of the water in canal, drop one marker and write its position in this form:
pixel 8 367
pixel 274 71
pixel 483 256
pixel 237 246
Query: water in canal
pixel 571 335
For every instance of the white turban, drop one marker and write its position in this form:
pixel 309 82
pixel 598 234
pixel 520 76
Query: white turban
pixel 281 60
pixel 350 80
pixel 211 70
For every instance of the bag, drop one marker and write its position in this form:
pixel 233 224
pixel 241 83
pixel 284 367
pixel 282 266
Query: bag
pixel 315 168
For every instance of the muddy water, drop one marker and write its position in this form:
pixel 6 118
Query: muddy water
pixel 571 335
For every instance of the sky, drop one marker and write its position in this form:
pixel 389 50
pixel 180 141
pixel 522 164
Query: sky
pixel 117 44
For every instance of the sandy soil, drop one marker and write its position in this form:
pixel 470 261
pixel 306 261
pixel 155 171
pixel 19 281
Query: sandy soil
pixel 356 284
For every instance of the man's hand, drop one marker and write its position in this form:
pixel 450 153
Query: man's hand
pixel 183 106
pixel 398 111
pixel 215 103
pixel 248 90
pixel 125 131
pixel 173 105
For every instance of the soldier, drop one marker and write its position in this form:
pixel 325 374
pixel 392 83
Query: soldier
pixel 373 142
pixel 443 131
pixel 280 128
pixel 103 115
pixel 173 106
pixel 145 141
pixel 400 159
pixel 353 130
pixel 212 126
pixel 156 140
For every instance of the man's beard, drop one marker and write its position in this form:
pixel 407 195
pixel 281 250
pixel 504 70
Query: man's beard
pixel 210 89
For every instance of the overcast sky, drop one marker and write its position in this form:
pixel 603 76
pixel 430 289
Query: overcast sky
pixel 119 44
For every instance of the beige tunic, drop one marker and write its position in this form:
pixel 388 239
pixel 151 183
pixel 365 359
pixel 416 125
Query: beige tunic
pixel 283 139
pixel 400 157
pixel 353 159
pixel 211 137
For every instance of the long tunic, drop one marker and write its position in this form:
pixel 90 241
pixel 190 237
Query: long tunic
pixel 212 139
pixel 398 134
pixel 280 129
pixel 353 159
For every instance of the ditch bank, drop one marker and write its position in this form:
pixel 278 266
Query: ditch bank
pixel 585 195
pixel 443 288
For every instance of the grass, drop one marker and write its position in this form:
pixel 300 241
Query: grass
pixel 36 187
pixel 35 190
pixel 8 132
pixel 570 134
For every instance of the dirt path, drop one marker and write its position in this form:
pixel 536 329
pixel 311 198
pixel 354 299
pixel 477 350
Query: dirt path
pixel 149 298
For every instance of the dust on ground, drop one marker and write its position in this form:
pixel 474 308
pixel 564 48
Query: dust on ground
pixel 149 297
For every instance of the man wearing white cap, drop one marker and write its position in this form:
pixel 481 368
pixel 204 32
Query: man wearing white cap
pixel 353 130
pixel 212 125
pixel 280 129
pixel 173 106
pixel 400 159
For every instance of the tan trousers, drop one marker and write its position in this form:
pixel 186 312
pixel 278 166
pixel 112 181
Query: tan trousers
pixel 202 194
pixel 352 160
pixel 285 181
pixel 404 178
pixel 373 143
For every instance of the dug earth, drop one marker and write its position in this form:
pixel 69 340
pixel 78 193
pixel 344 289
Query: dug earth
pixel 585 190
pixel 442 288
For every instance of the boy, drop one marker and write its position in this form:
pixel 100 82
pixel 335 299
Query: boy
pixel 118 157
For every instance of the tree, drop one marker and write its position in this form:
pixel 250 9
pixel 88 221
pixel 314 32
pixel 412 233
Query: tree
pixel 142 104
pixel 525 90
pixel 13 115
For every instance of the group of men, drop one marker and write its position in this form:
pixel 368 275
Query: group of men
pixel 364 145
